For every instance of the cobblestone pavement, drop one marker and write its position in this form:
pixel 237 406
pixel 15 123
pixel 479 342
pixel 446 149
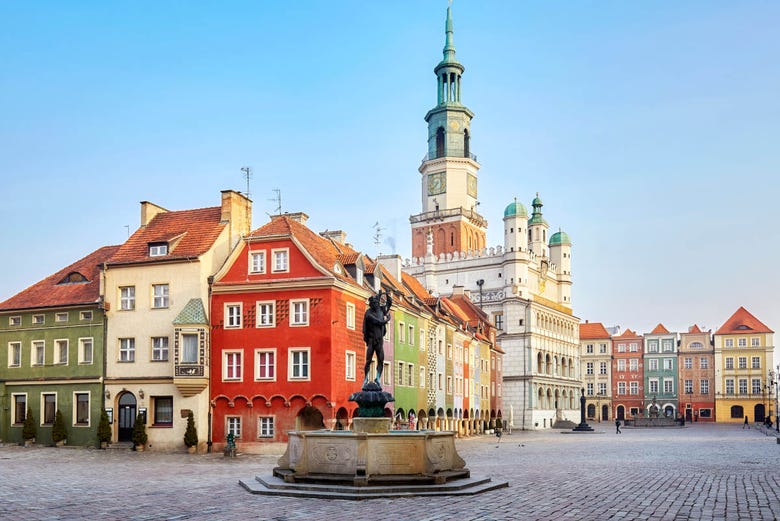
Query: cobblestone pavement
pixel 700 472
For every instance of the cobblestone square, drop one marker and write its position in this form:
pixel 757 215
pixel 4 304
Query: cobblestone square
pixel 699 472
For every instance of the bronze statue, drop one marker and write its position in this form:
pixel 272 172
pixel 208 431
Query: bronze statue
pixel 374 327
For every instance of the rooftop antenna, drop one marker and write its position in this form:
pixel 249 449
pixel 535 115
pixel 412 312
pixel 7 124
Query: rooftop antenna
pixel 248 174
pixel 278 200
pixel 377 236
pixel 127 227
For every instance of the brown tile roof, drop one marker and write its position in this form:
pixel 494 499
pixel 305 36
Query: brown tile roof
pixel 742 322
pixel 415 287
pixel 190 233
pixel 627 333
pixel 349 258
pixel 53 291
pixel 659 330
pixel 593 330
pixel 694 329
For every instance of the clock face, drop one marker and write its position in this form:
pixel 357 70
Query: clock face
pixel 471 185
pixel 437 183
pixel 454 125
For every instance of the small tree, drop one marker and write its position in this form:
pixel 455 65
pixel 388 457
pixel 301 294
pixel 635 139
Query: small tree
pixel 29 430
pixel 58 432
pixel 191 434
pixel 104 428
pixel 139 431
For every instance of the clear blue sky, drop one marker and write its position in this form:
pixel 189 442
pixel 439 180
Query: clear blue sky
pixel 650 130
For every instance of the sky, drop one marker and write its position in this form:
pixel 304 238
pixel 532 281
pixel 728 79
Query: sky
pixel 650 131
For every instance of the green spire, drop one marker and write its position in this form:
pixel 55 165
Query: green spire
pixel 449 46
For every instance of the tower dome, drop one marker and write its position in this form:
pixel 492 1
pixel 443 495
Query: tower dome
pixel 559 238
pixel 515 209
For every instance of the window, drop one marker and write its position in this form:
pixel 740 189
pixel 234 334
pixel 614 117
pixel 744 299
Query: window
pixel 232 365
pixel 449 385
pixel 653 386
pixel 265 427
pixel 410 375
pixel 742 342
pixel 729 386
pixel 755 362
pixel 266 314
pixel 160 349
pixel 704 363
pixel 299 364
pixel 652 364
pixel 634 387
pixel 668 386
pixel 755 342
pixel 300 312
pixel 60 351
pixel 350 365
pixel 704 386
pixel 127 298
pixel 668 364
pixel 14 354
pixel 233 426
pixel 422 340
pixel 15 321
pixel 158 249
pixel 401 332
pixel 85 315
pixel 688 363
pixel 652 346
pixel 589 389
pixel 38 319
pixel 38 352
pixel 163 410
pixel 265 361
pixel 160 296
pixel 729 362
pixel 449 351
pixel 350 315
pixel 589 349
pixel 399 375
pixel 257 262
pixel 81 403
pixel 696 345
pixel 602 368
pixel 61 317
pixel 189 348
pixel 729 342
pixel 49 408
pixel 498 320
pixel 621 365
pixel 386 372
pixel 602 348
pixel 281 260
pixel 668 346
pixel 232 315
pixel 86 349
pixel 440 378
pixel 743 386
pixel 603 388
pixel 20 408
pixel 589 368
pixel 410 336
pixel 633 365
pixel 755 385
pixel 127 349
pixel 707 413
pixel 621 348
pixel 634 347
pixel 742 360
pixel 621 387
pixel 421 377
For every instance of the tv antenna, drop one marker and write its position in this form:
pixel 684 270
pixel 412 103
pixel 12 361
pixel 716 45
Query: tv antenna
pixel 277 198
pixel 377 236
pixel 248 175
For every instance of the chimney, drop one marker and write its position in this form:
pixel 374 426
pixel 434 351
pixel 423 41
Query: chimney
pixel 237 213
pixel 392 263
pixel 458 290
pixel 149 211
pixel 338 236
pixel 297 217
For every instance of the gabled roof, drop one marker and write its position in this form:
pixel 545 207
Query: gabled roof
pixel 659 330
pixel 742 322
pixel 56 290
pixel 189 233
pixel 193 313
pixel 627 333
pixel 593 330
pixel 694 329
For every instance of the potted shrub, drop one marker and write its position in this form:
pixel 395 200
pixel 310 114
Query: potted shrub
pixel 58 432
pixel 104 430
pixel 29 429
pixel 139 433
pixel 191 434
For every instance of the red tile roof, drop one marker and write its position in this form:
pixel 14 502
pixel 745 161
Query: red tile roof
pixel 189 233
pixel 593 330
pixel 627 333
pixel 53 291
pixel 742 322
pixel 659 330
pixel 694 329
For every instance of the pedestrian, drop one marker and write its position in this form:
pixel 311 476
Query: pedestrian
pixel 746 423
pixel 617 427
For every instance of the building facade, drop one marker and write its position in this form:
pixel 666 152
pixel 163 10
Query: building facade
pixel 697 372
pixel 660 376
pixel 628 393
pixel 596 363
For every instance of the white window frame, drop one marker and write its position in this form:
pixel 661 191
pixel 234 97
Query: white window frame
pixel 42 410
pixel 668 386
pixel 61 316
pixel 668 364
pixel 653 386
pixel 633 365
pixel 621 388
pixel 226 355
pixel 265 311
pixel 755 342
pixel 126 298
pixel 160 348
pixel 161 296
pixel 603 368
pixel 401 333
pixel 350 315
pixel 421 377
pixel 158 249
pixel 15 320
pixel 729 362
pixel 704 363
pixel 14 347
pixel 257 261
pixel 387 374
pixel 729 386
pixel 266 426
pixel 83 360
pixel 350 361
pixel 292 364
pixel 704 386
pixel 274 366
pixel 85 315
pixel 410 334
pixel 634 388
pixel 278 255
pixel 621 365
pixel 233 424
pixel 295 318
pixel 742 362
pixel 126 349
pixel 75 409
pixel 232 320
pixel 38 346
pixel 755 362
pixel 58 343
pixel 729 342
pixel 742 342
pixel 38 319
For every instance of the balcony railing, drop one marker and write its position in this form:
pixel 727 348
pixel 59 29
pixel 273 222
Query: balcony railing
pixel 428 157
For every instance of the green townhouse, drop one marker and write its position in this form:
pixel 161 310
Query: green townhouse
pixel 406 357
pixel 52 355
pixel 661 374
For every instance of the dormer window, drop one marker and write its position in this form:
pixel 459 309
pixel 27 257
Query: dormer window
pixel 359 276
pixel 73 277
pixel 158 249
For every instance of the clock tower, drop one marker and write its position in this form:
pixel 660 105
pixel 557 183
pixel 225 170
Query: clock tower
pixel 449 221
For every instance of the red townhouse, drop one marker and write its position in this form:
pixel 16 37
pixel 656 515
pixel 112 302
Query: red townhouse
pixel 627 375
pixel 287 347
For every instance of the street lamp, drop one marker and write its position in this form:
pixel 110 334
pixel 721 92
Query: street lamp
pixel 777 398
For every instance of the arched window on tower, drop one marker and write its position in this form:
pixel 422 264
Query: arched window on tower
pixel 452 239
pixel 440 142
pixel 466 138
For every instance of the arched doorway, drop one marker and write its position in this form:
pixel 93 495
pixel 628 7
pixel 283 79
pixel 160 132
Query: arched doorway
pixel 758 412
pixel 621 413
pixel 309 419
pixel 605 412
pixel 127 413
pixel 591 411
